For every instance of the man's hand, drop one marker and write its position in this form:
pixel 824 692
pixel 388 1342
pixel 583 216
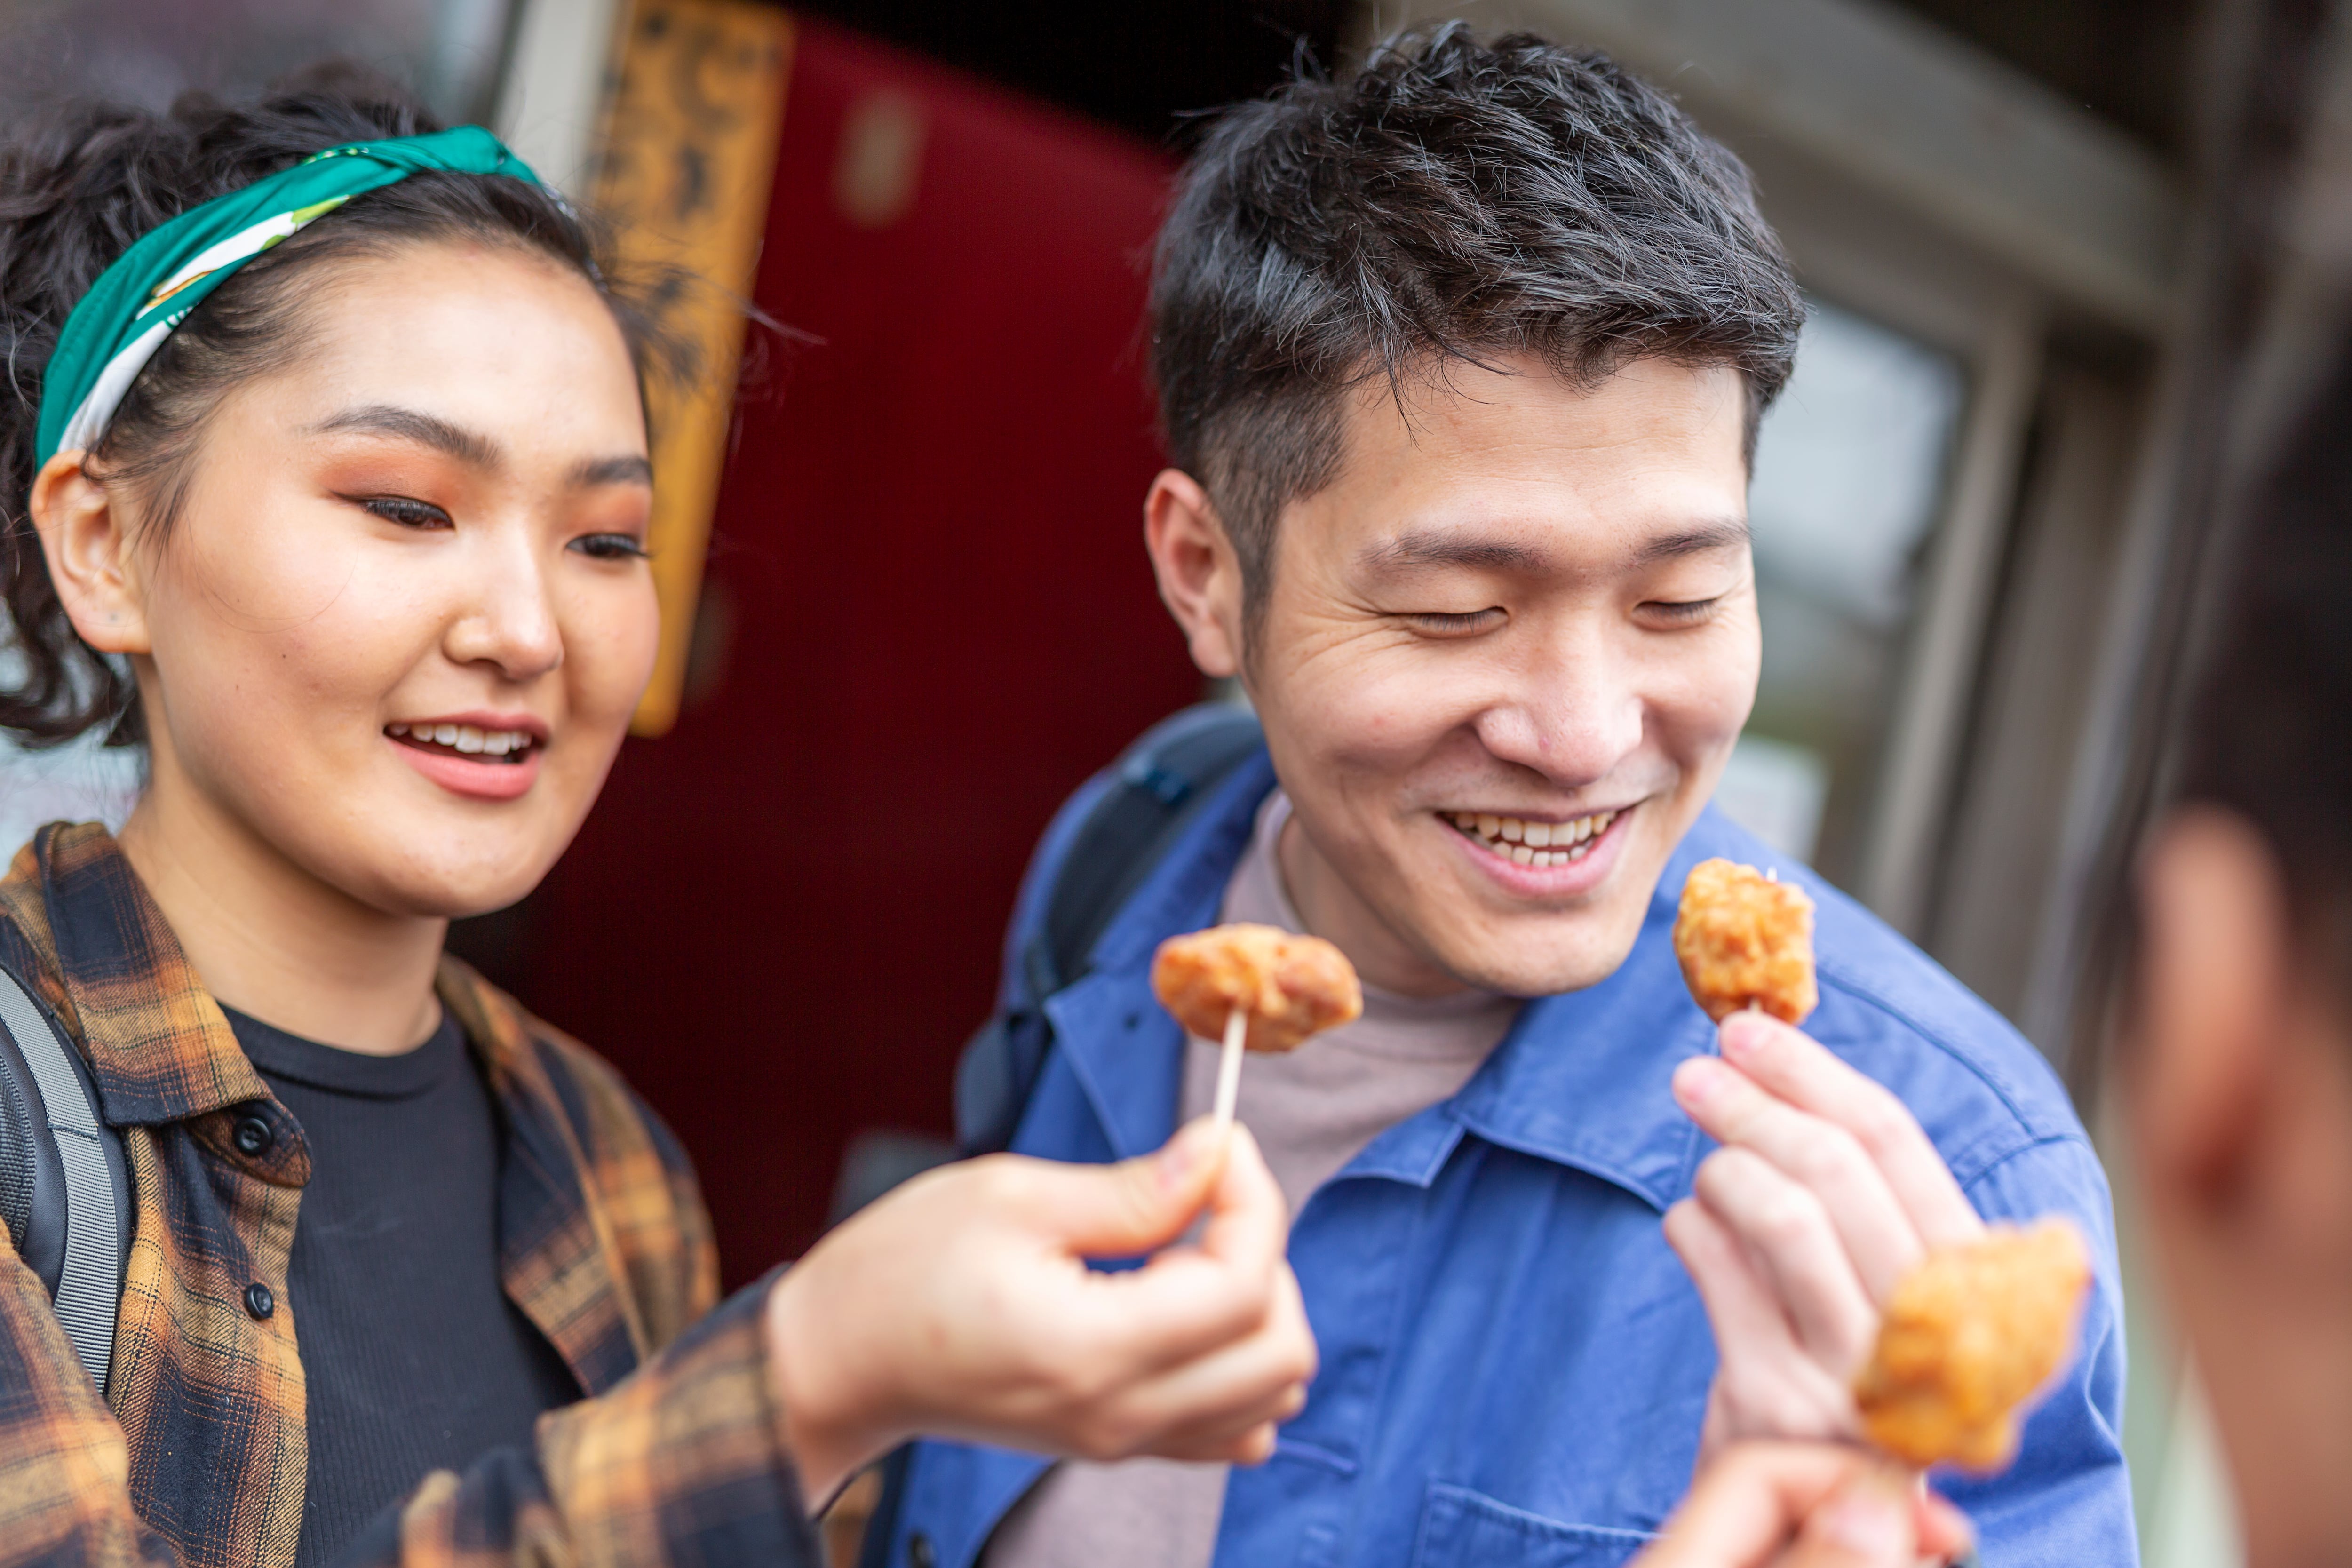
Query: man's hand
pixel 962 1305
pixel 1825 1192
pixel 1807 1505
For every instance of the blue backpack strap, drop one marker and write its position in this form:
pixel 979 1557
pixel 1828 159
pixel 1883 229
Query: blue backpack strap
pixel 1155 791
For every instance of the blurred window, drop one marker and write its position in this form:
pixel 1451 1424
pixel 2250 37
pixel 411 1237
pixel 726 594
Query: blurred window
pixel 1849 485
pixel 146 52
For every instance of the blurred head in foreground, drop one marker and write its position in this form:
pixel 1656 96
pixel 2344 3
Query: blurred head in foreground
pixel 2237 1062
pixel 1460 360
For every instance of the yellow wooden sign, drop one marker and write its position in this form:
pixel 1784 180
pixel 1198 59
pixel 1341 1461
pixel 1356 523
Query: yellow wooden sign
pixel 684 167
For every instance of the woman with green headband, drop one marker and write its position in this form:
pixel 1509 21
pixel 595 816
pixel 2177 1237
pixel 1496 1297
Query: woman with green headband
pixel 325 479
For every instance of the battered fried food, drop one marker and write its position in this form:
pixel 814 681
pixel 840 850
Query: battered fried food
pixel 1293 987
pixel 1745 940
pixel 1968 1334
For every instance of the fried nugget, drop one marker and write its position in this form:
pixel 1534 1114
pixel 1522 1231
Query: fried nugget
pixel 1294 986
pixel 1968 1334
pixel 1745 941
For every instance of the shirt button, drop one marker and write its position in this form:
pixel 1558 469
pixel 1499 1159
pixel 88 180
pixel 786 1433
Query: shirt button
pixel 259 1300
pixel 253 1136
pixel 918 1552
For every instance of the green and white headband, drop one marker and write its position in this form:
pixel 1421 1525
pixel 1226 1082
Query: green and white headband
pixel 137 302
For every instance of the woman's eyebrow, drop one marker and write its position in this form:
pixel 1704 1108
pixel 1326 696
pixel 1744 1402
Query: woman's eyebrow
pixel 468 446
pixel 632 470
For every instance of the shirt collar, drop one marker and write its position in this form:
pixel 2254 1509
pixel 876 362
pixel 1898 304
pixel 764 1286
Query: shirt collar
pixel 1582 1080
pixel 159 1046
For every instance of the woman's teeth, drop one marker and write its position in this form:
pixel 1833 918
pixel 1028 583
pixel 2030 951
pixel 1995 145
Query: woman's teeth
pixel 464 738
pixel 1538 844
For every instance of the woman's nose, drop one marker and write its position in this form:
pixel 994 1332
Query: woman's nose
pixel 510 619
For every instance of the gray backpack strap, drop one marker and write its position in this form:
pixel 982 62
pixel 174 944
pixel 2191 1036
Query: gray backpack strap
pixel 89 1286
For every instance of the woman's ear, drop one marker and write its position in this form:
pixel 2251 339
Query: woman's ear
pixel 1200 577
pixel 2215 997
pixel 85 535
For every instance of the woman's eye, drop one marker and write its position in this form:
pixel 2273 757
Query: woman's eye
pixel 1450 623
pixel 612 547
pixel 406 512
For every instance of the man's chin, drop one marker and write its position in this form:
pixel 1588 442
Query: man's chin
pixel 1542 961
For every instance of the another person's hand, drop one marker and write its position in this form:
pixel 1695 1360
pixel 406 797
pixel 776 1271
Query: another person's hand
pixel 1824 1194
pixel 962 1305
pixel 1807 1505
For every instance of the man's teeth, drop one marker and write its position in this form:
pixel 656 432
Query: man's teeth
pixel 1539 843
pixel 466 738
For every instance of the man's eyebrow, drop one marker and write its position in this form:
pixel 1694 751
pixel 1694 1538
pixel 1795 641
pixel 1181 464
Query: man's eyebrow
pixel 1696 539
pixel 1420 547
pixel 469 446
pixel 629 470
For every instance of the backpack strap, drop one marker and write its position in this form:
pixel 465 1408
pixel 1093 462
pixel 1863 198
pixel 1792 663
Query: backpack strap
pixel 61 1169
pixel 1158 787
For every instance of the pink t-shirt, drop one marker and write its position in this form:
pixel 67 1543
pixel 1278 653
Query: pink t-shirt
pixel 1312 1112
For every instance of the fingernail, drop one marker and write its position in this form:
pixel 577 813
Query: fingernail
pixel 1742 1034
pixel 1696 1079
pixel 1182 1155
pixel 1869 1526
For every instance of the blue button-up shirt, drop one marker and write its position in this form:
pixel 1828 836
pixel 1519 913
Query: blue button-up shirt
pixel 1514 1362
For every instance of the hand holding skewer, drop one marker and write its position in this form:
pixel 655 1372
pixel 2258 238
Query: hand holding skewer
pixel 1951 1325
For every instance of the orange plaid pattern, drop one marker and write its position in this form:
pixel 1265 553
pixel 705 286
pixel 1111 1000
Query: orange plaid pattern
pixel 604 1245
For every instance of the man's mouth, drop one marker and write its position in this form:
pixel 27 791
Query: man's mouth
pixel 1529 843
pixel 506 746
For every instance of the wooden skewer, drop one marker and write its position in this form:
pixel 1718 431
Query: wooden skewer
pixel 1229 1067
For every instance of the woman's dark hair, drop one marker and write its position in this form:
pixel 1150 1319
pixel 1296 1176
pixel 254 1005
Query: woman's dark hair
pixel 2269 733
pixel 76 187
pixel 1453 199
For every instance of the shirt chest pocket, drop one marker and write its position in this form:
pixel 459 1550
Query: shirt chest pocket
pixel 1461 1529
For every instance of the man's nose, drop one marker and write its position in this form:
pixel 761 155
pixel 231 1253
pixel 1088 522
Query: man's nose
pixel 1572 714
pixel 509 620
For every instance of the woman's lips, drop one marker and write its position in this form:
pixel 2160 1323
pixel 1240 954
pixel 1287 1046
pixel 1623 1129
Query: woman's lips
pixel 1594 841
pixel 473 775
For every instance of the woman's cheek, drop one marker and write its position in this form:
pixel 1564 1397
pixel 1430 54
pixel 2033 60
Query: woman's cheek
pixel 610 645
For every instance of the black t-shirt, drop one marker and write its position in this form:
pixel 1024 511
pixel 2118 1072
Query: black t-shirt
pixel 414 1359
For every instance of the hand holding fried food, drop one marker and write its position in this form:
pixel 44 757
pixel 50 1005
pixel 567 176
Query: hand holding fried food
pixel 1826 1193
pixel 1745 940
pixel 1968 1335
pixel 1807 1505
pixel 1290 986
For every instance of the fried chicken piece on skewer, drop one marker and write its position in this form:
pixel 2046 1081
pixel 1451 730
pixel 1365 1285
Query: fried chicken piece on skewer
pixel 1256 986
pixel 1745 940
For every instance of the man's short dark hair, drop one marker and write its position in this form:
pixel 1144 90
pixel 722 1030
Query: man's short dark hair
pixel 1451 199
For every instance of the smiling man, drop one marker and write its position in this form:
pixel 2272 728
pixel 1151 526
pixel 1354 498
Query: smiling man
pixel 1461 360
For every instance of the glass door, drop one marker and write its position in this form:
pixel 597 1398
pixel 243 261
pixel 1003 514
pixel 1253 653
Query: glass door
pixel 1848 484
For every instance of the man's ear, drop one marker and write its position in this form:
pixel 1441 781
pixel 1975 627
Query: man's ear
pixel 1200 577
pixel 2216 981
pixel 85 535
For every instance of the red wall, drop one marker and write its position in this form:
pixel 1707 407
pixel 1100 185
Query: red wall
pixel 784 917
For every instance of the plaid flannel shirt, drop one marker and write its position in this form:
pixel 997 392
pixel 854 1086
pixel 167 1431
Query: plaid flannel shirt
pixel 603 1243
